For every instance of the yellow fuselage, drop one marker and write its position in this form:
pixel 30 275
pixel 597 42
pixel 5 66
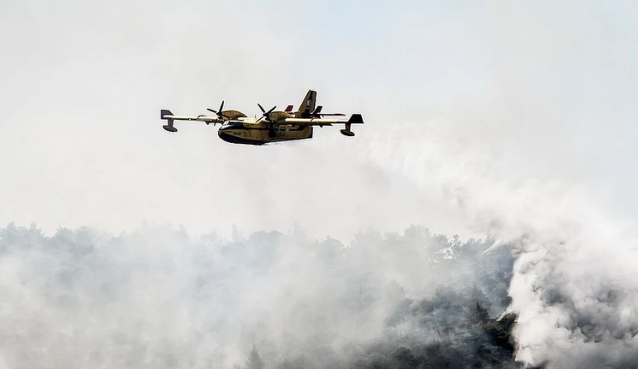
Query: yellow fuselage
pixel 250 133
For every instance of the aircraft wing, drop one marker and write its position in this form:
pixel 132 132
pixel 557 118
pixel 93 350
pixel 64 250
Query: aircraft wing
pixel 167 115
pixel 354 119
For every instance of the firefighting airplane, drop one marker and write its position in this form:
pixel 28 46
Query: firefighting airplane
pixel 272 126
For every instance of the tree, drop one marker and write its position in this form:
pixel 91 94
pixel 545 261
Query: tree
pixel 254 360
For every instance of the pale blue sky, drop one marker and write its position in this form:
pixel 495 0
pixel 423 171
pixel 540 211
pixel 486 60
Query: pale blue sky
pixel 549 89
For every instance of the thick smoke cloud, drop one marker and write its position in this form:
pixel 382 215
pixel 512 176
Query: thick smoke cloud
pixel 573 286
pixel 574 281
pixel 156 298
pixel 517 92
pixel 575 289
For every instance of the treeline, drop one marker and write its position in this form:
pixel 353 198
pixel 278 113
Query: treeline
pixel 157 298
pixel 480 341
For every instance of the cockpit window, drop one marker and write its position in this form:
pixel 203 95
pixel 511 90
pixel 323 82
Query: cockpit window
pixel 233 124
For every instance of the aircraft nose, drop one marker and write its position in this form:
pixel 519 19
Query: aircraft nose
pixel 223 135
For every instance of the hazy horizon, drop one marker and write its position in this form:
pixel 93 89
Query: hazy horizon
pixel 487 120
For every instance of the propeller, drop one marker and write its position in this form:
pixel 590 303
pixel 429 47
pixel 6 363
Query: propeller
pixel 266 113
pixel 219 112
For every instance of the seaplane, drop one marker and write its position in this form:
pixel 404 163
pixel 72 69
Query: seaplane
pixel 271 126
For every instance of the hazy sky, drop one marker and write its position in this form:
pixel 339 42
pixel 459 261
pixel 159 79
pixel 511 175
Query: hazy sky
pixel 508 118
pixel 514 91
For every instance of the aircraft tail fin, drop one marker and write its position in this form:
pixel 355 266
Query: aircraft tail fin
pixel 356 118
pixel 307 105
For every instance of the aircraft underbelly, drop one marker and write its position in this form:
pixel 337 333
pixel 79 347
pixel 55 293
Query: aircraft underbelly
pixel 262 136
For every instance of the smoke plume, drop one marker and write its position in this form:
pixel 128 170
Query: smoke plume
pixel 573 285
pixel 157 298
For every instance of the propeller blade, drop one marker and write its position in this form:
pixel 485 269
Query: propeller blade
pixel 219 112
pixel 260 107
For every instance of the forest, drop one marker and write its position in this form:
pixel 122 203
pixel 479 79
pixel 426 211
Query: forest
pixel 159 298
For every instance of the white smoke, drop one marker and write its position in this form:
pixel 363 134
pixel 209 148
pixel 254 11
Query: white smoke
pixel 157 298
pixel 552 87
pixel 575 284
pixel 575 288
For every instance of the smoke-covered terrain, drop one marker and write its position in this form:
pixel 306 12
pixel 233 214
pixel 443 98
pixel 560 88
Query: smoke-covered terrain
pixel 510 122
pixel 156 298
